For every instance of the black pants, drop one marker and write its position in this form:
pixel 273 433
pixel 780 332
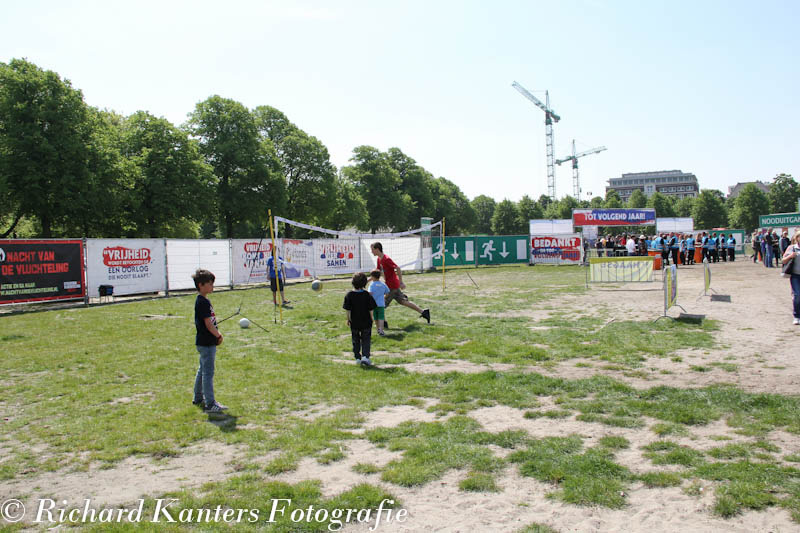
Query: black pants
pixel 690 256
pixel 731 254
pixel 714 255
pixel 665 257
pixel 361 341
pixel 674 255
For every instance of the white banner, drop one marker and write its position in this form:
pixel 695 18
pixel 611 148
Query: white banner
pixel 550 226
pixel 131 266
pixel 186 256
pixel 677 225
pixel 336 256
pixel 249 258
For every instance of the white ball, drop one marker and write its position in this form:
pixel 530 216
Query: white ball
pixel 316 285
pixel 244 323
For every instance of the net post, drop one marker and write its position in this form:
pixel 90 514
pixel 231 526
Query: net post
pixel 275 263
pixel 444 255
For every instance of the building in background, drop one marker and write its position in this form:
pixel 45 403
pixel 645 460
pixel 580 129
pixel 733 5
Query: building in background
pixel 668 182
pixel 734 191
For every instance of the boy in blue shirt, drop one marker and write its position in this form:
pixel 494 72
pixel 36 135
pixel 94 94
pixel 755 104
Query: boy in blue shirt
pixel 276 281
pixel 378 290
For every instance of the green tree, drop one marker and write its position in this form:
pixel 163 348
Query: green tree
pixel 247 170
pixel 613 201
pixel 783 194
pixel 45 146
pixel 662 204
pixel 417 184
pixel 747 207
pixel 484 207
pixel 379 183
pixel 505 219
pixel 452 204
pixel 349 207
pixel 561 209
pixel 709 210
pixel 305 164
pixel 684 206
pixel 172 182
pixel 596 202
pixel 544 202
pixel 529 210
pixel 637 199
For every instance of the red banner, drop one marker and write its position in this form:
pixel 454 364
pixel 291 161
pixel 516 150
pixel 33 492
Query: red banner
pixel 41 270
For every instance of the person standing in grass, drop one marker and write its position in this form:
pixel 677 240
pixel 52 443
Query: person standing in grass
pixel 394 280
pixel 207 339
pixel 277 277
pixel 359 306
pixel 378 290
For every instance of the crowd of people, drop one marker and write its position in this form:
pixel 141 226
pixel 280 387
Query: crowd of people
pixel 768 248
pixel 674 248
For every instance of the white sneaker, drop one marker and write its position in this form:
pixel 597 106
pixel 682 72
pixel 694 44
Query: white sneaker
pixel 797 321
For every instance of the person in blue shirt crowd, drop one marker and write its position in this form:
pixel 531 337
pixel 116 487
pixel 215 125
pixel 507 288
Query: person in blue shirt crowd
pixel 712 248
pixel 722 245
pixel 674 248
pixel 731 247
pixel 689 249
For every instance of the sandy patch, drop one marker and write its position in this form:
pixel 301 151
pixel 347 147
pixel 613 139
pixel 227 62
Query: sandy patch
pixel 128 480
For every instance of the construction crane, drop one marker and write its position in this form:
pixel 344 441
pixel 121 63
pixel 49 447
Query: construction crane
pixel 549 118
pixel 576 186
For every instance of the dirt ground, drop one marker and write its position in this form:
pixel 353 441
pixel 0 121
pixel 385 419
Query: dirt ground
pixel 756 334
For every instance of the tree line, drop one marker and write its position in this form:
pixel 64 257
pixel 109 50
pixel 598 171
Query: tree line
pixel 73 170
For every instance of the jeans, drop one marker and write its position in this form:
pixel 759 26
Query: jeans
pixel 795 281
pixel 768 259
pixel 204 381
pixel 361 341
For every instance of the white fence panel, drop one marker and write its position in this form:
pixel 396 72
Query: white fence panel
pixel 186 256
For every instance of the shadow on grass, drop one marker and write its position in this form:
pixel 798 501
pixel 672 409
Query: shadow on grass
pixel 11 337
pixel 225 422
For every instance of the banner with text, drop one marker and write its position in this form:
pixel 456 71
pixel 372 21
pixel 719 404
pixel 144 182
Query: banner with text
pixel 250 258
pixel 41 270
pixel 565 249
pixel 621 269
pixel 613 217
pixel 670 287
pixel 131 266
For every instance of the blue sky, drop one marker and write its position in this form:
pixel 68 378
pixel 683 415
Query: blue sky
pixel 709 87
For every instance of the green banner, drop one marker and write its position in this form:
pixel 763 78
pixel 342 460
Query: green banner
pixel 503 249
pixel 459 251
pixel 779 220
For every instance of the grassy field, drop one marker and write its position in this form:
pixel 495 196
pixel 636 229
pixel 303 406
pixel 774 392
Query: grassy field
pixel 83 387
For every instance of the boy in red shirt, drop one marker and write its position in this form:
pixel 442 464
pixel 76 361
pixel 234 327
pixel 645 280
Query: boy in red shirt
pixel 393 277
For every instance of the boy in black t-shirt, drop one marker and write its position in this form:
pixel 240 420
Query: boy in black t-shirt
pixel 359 305
pixel 206 341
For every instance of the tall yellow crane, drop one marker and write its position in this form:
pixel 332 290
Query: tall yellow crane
pixel 576 186
pixel 549 118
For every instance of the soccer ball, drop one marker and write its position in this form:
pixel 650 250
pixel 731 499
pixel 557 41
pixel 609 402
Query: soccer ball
pixel 316 285
pixel 244 323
